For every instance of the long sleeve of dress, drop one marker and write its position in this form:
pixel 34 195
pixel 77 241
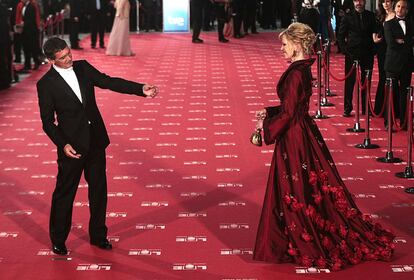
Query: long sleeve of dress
pixel 274 126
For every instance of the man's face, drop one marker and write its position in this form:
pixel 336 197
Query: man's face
pixel 63 58
pixel 401 9
pixel 359 5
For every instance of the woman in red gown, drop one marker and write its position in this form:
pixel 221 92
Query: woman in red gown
pixel 308 216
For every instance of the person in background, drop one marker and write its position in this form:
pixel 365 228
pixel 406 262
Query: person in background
pixel 398 65
pixel 75 16
pixel 250 19
pixel 28 22
pixel 238 16
pixel 341 7
pixel 6 58
pixel 309 14
pixel 197 17
pixel 97 13
pixel 220 8
pixel 119 43
pixel 355 40
pixel 384 13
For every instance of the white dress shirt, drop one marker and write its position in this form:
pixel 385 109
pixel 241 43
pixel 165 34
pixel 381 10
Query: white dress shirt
pixel 402 24
pixel 70 78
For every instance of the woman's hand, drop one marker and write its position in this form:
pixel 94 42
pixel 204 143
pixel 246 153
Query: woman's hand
pixel 261 115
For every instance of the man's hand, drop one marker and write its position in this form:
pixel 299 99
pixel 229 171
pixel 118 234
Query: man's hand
pixel 150 90
pixel 70 152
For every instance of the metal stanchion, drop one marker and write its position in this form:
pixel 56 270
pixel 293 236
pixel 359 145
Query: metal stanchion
pixel 389 156
pixel 13 75
pixel 328 65
pixel 408 172
pixel 319 114
pixel 62 24
pixel 357 125
pixel 367 141
pixel 324 101
pixel 137 15
pixel 56 21
pixel 49 30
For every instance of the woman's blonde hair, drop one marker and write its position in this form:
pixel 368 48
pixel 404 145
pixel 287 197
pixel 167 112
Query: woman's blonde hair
pixel 300 33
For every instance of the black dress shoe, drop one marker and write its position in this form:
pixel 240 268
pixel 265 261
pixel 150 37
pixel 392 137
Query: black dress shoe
pixel 77 48
pixel 223 40
pixel 346 114
pixel 197 41
pixel 106 245
pixel 59 249
pixel 102 46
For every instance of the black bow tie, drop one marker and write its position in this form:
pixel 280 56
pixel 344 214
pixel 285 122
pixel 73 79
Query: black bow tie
pixel 401 19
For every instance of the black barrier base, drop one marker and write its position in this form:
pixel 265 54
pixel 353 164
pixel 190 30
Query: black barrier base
pixel 408 173
pixel 325 103
pixel 389 158
pixel 409 190
pixel 319 115
pixel 356 128
pixel 367 145
pixel 330 93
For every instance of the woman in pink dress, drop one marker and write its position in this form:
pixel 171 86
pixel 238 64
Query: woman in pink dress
pixel 308 217
pixel 119 38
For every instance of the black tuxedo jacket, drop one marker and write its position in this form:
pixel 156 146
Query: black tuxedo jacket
pixel 68 121
pixel 398 56
pixel 355 40
pixel 91 6
pixel 29 19
pixel 76 8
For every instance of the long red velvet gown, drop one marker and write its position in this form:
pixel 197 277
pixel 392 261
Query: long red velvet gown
pixel 308 216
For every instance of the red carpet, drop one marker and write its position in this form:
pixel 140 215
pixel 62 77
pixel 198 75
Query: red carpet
pixel 185 184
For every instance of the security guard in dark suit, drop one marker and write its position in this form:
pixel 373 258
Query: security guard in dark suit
pixel 355 39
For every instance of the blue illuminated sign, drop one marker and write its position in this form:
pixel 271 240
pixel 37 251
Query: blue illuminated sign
pixel 176 14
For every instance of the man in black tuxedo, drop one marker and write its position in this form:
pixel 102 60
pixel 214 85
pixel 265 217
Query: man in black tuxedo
pixel 97 12
pixel 67 92
pixel 355 39
pixel 399 54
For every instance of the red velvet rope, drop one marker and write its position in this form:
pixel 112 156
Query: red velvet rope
pixel 371 106
pixel 346 76
pixel 398 126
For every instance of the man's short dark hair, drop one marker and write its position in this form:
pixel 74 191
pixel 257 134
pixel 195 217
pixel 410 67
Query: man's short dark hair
pixel 52 46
